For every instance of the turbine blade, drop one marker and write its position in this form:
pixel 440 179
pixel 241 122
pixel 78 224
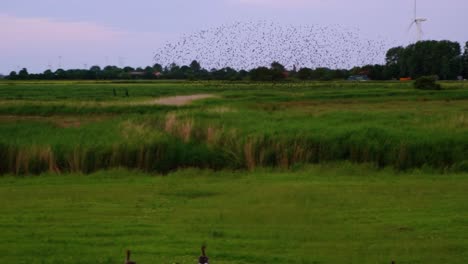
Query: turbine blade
pixel 410 26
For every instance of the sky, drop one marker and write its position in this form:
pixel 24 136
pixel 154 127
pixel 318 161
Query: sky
pixel 42 34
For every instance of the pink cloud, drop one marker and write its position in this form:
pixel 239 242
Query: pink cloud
pixel 37 42
pixel 20 32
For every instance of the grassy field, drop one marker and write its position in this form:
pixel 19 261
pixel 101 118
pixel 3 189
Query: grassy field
pixel 335 213
pixel 83 127
pixel 314 172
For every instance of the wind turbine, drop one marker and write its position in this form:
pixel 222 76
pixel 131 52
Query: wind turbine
pixel 417 22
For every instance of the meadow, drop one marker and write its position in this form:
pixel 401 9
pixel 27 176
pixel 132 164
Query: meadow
pixel 334 213
pixel 294 172
pixel 86 126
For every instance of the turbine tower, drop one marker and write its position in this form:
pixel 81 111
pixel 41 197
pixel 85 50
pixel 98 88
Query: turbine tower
pixel 417 22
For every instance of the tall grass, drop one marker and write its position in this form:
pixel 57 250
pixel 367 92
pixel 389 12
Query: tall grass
pixel 249 126
pixel 169 142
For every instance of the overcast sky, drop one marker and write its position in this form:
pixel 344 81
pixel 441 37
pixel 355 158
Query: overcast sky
pixel 37 33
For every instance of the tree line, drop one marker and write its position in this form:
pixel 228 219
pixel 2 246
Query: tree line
pixel 443 59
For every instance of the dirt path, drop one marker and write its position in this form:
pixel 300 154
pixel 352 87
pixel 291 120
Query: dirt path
pixel 182 99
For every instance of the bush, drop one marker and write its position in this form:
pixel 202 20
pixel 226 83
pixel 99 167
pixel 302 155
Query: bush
pixel 461 166
pixel 427 83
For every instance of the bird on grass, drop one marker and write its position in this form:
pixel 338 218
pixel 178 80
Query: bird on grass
pixel 127 259
pixel 203 259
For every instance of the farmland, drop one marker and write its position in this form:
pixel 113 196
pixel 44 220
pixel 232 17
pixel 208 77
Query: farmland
pixel 83 127
pixel 293 172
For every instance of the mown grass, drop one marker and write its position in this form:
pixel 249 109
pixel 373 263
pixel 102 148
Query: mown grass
pixel 335 213
pixel 237 173
pixel 248 125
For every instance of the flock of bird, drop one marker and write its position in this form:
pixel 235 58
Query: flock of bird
pixel 247 45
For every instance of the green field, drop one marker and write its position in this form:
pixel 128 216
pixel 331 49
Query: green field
pixel 314 172
pixel 339 213
pixel 83 127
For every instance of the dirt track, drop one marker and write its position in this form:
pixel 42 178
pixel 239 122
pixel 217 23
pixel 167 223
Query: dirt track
pixel 182 99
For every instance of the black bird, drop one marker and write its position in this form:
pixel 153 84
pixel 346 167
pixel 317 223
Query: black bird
pixel 247 45
pixel 127 260
pixel 203 259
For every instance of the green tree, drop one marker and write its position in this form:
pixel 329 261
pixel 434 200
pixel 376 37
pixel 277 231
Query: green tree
pixel 393 61
pixel 305 73
pixel 48 75
pixel 261 74
pixel 323 74
pixel 111 72
pixel 61 74
pixel 374 72
pixel 95 68
pixel 149 72
pixel 157 67
pixel 13 76
pixel 424 58
pixel 278 66
pixel 278 71
pixel 23 74
pixel 195 66
pixel 465 61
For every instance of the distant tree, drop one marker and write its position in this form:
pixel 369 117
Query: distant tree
pixel 111 72
pixel 323 74
pixel 173 67
pixel 94 73
pixel 225 74
pixel 278 71
pixel 340 74
pixel 13 75
pixel 48 75
pixel 176 72
pixel 277 66
pixel 157 67
pixel 393 61
pixel 374 72
pixel 128 69
pixel 149 73
pixel 425 58
pixel 465 61
pixel 261 74
pixel 60 74
pixel 23 74
pixel 305 73
pixel 195 66
pixel 95 68
pixel 242 74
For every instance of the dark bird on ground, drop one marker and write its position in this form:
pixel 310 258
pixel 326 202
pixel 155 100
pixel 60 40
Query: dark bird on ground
pixel 203 259
pixel 127 260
